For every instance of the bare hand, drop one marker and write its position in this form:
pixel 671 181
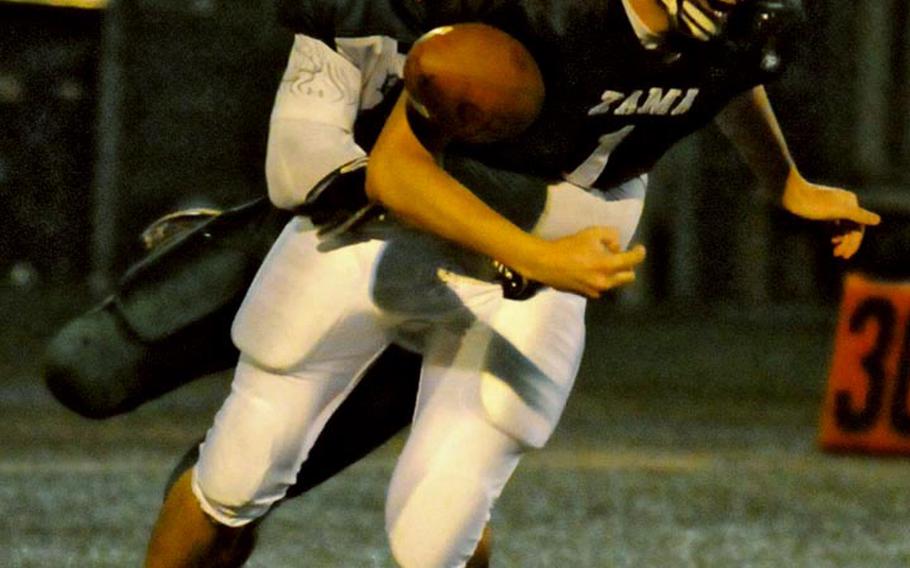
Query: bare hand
pixel 588 263
pixel 847 238
pixel 841 207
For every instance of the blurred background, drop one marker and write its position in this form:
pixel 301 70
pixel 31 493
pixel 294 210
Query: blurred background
pixel 690 439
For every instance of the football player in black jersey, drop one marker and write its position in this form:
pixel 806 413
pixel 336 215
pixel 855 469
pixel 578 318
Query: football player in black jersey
pixel 664 69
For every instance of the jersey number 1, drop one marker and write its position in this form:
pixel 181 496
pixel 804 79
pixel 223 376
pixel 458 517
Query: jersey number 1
pixel 587 173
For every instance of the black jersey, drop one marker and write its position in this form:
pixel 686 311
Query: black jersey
pixel 613 107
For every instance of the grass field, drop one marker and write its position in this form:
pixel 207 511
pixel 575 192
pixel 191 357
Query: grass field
pixel 690 441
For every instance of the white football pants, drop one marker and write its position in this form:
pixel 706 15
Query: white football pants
pixel 495 378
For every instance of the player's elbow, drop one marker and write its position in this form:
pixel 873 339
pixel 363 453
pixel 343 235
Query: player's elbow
pixel 392 173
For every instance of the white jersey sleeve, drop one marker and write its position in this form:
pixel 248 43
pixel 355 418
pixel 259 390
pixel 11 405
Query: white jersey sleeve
pixel 321 92
pixel 310 133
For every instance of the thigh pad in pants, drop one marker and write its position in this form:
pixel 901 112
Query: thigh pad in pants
pixel 530 363
pixel 305 303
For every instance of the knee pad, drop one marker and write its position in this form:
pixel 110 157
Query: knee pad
pixel 530 369
pixel 530 416
pixel 226 502
pixel 260 437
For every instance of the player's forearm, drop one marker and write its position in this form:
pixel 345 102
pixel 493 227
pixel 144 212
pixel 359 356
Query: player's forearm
pixel 749 122
pixel 405 178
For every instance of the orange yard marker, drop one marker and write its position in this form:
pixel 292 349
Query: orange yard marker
pixel 867 408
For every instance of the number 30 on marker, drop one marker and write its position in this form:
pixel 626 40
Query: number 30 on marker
pixel 867 407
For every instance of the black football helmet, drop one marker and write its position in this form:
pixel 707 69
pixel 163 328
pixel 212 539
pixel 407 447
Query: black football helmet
pixel 754 25
pixel 702 20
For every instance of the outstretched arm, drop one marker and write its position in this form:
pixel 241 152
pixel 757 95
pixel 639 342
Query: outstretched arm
pixel 404 176
pixel 750 124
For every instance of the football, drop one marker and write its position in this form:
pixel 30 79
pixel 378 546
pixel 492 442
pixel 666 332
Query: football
pixel 473 83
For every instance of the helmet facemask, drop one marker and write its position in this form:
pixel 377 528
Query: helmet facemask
pixel 757 26
pixel 702 20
